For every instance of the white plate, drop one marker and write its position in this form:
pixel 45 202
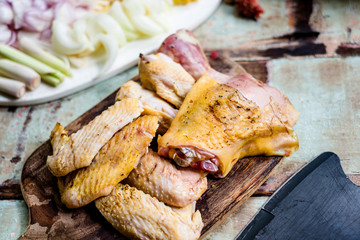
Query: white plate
pixel 189 16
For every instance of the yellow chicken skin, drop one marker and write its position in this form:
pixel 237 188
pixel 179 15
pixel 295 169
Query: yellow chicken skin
pixel 153 105
pixel 217 125
pixel 112 164
pixel 139 216
pixel 78 150
pixel 158 177
pixel 164 76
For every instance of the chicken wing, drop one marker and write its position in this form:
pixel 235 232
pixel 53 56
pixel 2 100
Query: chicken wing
pixel 112 164
pixel 161 179
pixel 139 216
pixel 168 79
pixel 221 123
pixel 153 105
pixel 77 150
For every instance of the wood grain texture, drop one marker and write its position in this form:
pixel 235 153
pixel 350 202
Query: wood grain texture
pixel 49 218
pixel 10 189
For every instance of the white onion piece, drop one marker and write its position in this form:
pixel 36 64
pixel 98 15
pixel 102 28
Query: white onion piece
pixel 134 7
pixel 159 12
pixel 146 25
pixel 131 36
pixel 111 27
pixel 92 30
pixel 6 13
pixel 162 19
pixel 136 12
pixel 63 41
pixel 110 45
pixel 64 12
pixel 117 12
pixel 80 27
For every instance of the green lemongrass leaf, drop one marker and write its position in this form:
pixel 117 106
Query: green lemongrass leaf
pixel 33 49
pixel 22 58
pixel 51 80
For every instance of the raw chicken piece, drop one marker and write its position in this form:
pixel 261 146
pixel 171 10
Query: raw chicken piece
pixel 221 123
pixel 161 179
pixel 185 49
pixel 168 79
pixel 139 216
pixel 77 150
pixel 112 164
pixel 153 105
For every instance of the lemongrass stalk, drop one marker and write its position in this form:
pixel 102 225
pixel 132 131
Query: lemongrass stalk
pixel 52 81
pixel 44 70
pixel 20 72
pixel 31 48
pixel 12 87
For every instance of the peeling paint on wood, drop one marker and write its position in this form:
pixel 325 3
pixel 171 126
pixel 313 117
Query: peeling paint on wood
pixel 10 189
pixel 324 90
pixel 231 227
pixel 326 93
pixel 13 219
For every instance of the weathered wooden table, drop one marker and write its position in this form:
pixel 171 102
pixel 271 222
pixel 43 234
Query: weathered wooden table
pixel 308 49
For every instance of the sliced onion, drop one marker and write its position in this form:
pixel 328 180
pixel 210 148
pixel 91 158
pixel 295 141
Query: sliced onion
pixel 64 12
pixel 40 5
pixel 110 45
pixel 6 13
pixel 117 12
pixel 135 10
pixel 134 7
pixel 111 27
pixel 63 41
pixel 7 36
pixel 36 20
pixel 146 25
pixel 80 27
pixel 19 8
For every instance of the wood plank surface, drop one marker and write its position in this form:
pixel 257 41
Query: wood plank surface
pixel 282 38
pixel 49 217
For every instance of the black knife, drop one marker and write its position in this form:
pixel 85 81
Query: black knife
pixel 318 202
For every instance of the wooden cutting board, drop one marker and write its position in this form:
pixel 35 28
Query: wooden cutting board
pixel 49 218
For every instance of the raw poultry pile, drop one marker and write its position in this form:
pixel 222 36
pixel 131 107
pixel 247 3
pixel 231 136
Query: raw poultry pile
pixel 203 122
